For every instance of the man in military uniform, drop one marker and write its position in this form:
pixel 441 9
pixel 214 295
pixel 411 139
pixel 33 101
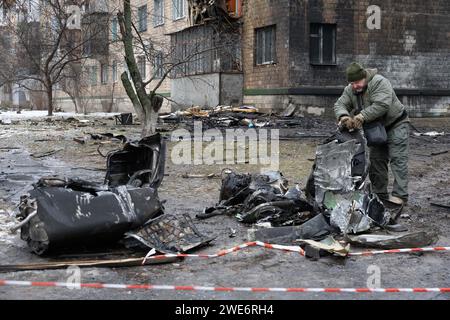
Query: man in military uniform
pixel 379 103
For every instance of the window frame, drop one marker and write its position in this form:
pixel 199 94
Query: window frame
pixel 142 66
pixel 142 18
pixel 320 35
pixel 176 17
pixel 104 74
pixel 114 71
pixel 261 37
pixel 160 21
pixel 159 65
pixel 94 76
pixel 114 29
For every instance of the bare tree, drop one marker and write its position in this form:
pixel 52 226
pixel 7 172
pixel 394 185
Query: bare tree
pixel 49 50
pixel 167 59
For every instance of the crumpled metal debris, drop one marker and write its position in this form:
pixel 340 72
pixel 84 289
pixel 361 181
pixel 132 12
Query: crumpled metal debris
pixel 316 228
pixel 342 164
pixel 329 244
pixel 168 234
pixel 260 198
pixel 386 241
pixel 356 211
pixel 339 184
pixel 72 213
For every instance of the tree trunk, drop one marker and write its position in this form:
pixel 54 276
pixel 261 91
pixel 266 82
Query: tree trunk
pixel 50 99
pixel 150 120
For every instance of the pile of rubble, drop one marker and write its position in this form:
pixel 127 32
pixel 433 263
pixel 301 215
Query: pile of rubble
pixel 61 213
pixel 338 204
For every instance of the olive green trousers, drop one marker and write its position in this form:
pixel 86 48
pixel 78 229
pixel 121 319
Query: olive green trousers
pixel 395 153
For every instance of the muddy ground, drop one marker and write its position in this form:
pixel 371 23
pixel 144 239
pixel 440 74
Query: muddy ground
pixel 22 162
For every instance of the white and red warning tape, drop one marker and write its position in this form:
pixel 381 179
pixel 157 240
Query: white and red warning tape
pixel 222 253
pixel 296 249
pixel 218 289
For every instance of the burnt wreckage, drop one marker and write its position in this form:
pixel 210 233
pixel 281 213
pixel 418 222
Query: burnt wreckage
pixel 338 200
pixel 62 213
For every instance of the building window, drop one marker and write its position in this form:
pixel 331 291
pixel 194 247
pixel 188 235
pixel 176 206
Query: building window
pixel 142 64
pixel 104 73
pixel 142 16
pixel 179 10
pixel 114 71
pixel 114 24
pixel 93 76
pixel 159 68
pixel 265 45
pixel 158 13
pixel 322 44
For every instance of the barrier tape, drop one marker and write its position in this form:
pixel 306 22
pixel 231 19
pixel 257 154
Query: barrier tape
pixel 218 289
pixel 222 253
pixel 296 249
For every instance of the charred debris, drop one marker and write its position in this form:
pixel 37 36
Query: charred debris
pixel 335 209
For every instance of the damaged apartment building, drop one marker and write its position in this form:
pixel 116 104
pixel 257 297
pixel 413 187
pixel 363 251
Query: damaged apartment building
pixel 196 42
pixel 270 54
pixel 296 51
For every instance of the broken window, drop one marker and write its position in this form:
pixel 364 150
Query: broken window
pixel 158 65
pixel 179 9
pixel 322 43
pixel 142 16
pixel 114 29
pixel 158 13
pixel 142 66
pixel 265 45
pixel 104 73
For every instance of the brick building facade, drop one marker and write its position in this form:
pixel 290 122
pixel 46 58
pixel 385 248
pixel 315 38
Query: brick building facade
pixel 315 40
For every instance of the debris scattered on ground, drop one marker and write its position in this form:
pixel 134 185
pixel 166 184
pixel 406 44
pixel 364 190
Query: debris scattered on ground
pixel 232 233
pixel 65 213
pixel 45 154
pixel 441 204
pixel 429 134
pixel 167 234
pixel 383 241
pixel 260 198
pixel 94 263
pixel 329 244
pixel 338 200
pixel 208 176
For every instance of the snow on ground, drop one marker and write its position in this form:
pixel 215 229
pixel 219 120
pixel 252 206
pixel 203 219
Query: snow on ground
pixel 6 116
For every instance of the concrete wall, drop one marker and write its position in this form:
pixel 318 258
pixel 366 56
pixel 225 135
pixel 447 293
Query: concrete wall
pixel 231 85
pixel 322 105
pixel 103 104
pixel 201 90
pixel 208 90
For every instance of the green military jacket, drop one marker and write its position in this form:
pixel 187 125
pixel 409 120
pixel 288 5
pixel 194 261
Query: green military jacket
pixel 380 101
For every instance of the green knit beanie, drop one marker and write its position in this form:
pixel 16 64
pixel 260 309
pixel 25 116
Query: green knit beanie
pixel 355 72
